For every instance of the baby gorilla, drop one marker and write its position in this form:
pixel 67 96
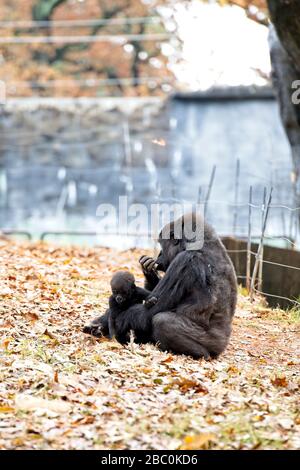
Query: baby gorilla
pixel 124 294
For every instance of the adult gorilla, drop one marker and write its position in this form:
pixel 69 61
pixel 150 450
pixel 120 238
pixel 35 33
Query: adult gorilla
pixel 192 305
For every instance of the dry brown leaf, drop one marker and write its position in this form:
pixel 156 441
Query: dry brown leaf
pixel 127 397
pixel 186 385
pixel 232 369
pixel 197 442
pixel 5 342
pixel 84 420
pixel 252 354
pixel 32 316
pixel 6 409
pixel 55 378
pixel 279 381
pixel 49 334
pixel 167 360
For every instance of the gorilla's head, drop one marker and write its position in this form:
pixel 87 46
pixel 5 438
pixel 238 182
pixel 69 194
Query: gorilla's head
pixel 122 286
pixel 188 232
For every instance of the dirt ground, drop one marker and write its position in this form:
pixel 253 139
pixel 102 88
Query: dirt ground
pixel 60 389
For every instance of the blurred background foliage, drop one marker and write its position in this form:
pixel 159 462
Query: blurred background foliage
pixel 72 67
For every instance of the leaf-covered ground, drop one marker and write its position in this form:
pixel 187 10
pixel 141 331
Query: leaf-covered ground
pixel 60 389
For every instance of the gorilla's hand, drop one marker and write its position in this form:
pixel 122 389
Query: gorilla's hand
pixel 98 327
pixel 150 301
pixel 151 275
pixel 148 264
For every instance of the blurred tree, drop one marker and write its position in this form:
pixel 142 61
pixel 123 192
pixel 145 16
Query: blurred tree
pixel 285 55
pixel 256 10
pixel 43 10
pixel 81 64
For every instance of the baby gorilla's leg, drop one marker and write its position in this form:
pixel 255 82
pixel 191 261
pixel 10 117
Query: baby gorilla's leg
pixel 111 326
pixel 137 319
pixel 114 312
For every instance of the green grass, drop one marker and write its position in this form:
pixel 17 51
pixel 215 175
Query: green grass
pixel 290 316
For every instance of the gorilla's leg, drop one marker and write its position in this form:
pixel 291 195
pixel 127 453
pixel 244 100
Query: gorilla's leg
pixel 99 326
pixel 180 335
pixel 136 318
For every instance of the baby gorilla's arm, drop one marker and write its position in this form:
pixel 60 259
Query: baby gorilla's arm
pixel 99 326
pixel 113 305
pixel 141 293
pixel 144 294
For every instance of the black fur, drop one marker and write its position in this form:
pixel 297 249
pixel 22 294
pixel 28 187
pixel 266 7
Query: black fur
pixel 124 295
pixel 191 307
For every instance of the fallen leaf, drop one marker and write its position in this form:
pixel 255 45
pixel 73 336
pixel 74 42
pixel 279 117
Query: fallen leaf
pixel 167 360
pixel 200 441
pixel 187 384
pixel 31 316
pixel 5 343
pixel 49 334
pixel 279 381
pixel 6 409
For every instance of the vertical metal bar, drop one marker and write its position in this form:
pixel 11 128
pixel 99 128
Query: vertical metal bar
pixel 128 161
pixel 257 258
pixel 211 182
pixel 157 199
pixel 293 214
pixel 199 195
pixel 260 271
pixel 3 187
pixel 248 268
pixel 283 222
pixel 127 144
pixel 236 195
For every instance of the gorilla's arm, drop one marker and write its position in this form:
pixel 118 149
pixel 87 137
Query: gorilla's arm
pixel 142 294
pixel 187 274
pixel 185 282
pixel 151 276
pixel 99 326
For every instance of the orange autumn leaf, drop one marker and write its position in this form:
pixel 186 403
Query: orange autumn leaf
pixel 167 360
pixel 196 442
pixel 32 316
pixel 279 381
pixel 6 409
pixel 186 385
pixel 5 343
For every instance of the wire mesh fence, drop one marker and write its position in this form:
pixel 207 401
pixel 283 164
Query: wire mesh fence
pixel 264 269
